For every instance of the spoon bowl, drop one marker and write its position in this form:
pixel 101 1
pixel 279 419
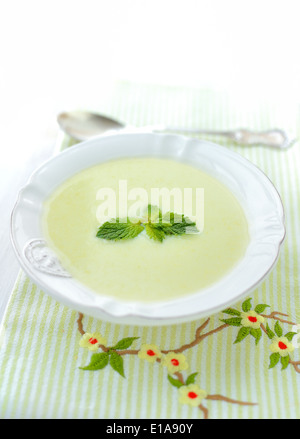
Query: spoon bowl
pixel 82 125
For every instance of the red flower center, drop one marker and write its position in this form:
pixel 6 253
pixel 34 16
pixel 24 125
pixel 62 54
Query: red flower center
pixel 175 362
pixel 282 345
pixel 192 395
pixel 252 319
pixel 93 340
pixel 150 353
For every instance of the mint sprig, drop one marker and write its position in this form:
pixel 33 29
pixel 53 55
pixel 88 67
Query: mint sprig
pixel 116 230
pixel 155 231
pixel 156 225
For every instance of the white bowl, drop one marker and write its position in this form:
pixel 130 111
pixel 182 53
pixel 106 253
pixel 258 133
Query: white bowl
pixel 257 195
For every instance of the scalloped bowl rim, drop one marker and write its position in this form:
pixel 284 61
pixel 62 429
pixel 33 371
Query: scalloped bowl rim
pixel 267 231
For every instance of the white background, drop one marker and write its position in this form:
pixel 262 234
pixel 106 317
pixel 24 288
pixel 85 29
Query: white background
pixel 58 55
pixel 66 53
pixel 62 54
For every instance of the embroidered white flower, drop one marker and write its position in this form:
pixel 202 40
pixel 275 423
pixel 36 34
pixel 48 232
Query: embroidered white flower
pixel 282 346
pixel 92 341
pixel 251 319
pixel 149 352
pixel 191 394
pixel 175 362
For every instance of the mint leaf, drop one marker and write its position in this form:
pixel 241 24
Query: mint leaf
pixel 155 231
pixel 175 382
pixel 125 343
pixel 116 231
pixel 180 229
pixel 191 378
pixel 235 321
pixel 278 329
pixel 274 359
pixel 177 224
pixel 243 332
pixel 153 213
pixel 260 308
pixel 232 312
pixel 285 361
pixel 172 218
pixel 98 361
pixel 246 306
pixel 116 362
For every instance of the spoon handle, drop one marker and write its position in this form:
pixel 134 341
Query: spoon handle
pixel 274 138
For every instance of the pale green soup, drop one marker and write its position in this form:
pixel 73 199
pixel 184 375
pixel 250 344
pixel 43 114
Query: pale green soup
pixel 142 269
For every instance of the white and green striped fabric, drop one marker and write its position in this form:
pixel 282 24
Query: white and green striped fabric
pixel 40 356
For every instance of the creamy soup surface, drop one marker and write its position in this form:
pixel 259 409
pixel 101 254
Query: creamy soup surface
pixel 142 269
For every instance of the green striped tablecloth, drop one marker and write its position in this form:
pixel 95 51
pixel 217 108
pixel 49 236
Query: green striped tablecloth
pixel 40 352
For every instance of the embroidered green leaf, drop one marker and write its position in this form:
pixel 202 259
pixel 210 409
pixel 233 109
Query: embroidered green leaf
pixel 125 343
pixel 257 334
pixel 270 333
pixel 246 306
pixel 274 359
pixel 116 362
pixel 98 361
pixel 191 378
pixel 285 361
pixel 155 231
pixel 116 230
pixel 232 312
pixel 278 329
pixel 175 382
pixel 235 321
pixel 290 335
pixel 243 332
pixel 260 308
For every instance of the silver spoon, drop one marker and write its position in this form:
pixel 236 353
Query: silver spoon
pixel 83 125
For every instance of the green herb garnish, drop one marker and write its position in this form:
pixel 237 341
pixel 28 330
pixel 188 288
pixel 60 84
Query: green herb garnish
pixel 157 226
pixel 116 230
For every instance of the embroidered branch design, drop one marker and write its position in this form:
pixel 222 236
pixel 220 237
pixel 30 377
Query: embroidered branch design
pixel 251 322
pixel 174 360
